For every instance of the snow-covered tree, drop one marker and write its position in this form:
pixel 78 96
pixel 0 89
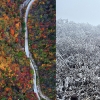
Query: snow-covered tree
pixel 78 60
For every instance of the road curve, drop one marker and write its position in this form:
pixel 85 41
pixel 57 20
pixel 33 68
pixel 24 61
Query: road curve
pixel 36 86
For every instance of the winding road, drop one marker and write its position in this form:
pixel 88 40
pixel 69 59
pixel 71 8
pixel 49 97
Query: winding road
pixel 36 85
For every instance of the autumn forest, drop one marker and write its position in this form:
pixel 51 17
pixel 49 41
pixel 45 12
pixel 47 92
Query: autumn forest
pixel 16 75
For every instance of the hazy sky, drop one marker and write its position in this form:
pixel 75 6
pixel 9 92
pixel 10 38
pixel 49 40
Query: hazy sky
pixel 86 11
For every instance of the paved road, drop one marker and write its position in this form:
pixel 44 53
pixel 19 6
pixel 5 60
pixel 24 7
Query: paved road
pixel 36 86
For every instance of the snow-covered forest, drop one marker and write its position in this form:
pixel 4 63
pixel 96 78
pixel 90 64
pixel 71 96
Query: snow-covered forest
pixel 78 61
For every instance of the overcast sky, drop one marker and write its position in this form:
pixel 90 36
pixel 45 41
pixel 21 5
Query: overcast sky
pixel 86 11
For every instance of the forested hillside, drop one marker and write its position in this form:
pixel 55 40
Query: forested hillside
pixel 78 60
pixel 42 43
pixel 16 76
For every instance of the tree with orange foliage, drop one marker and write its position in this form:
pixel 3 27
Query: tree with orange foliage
pixel 8 1
pixel 12 32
